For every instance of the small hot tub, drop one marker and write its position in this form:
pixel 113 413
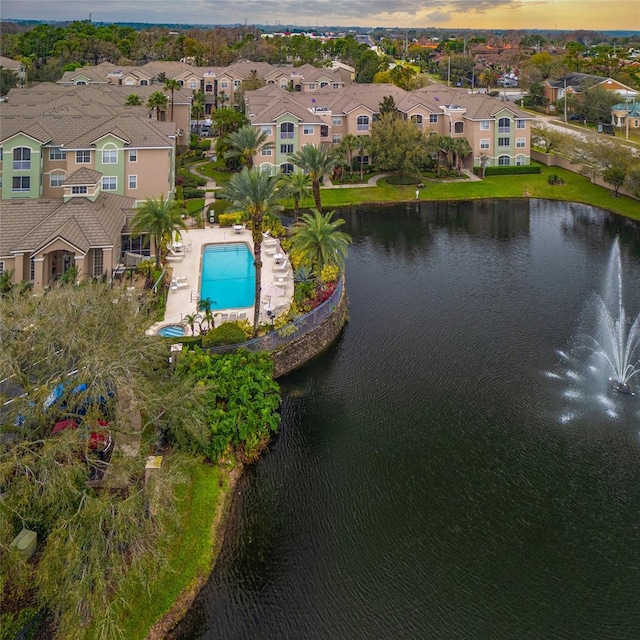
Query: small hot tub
pixel 171 331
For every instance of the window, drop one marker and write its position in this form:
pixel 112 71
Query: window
pixel 521 143
pixel 193 84
pixel 504 125
pixel 312 86
pixel 140 244
pixel 324 84
pixel 521 124
pixel 21 158
pixel 83 157
pixel 283 84
pixel 485 125
pixel 181 83
pixel 286 168
pixel 56 153
pixel 224 84
pixel 267 128
pixel 133 155
pixel 458 127
pixel 236 84
pixel 433 117
pixel 1 154
pixel 504 142
pixel 32 269
pixel 109 156
pixel 98 262
pixel 363 123
pixel 286 130
pixel 21 183
pixel 335 85
pixel 286 148
pixel 109 183
pixel 133 182
pixel 266 151
pixel 144 83
pixel 521 160
pixel 208 88
pixel 307 129
pixel 417 119
pixel 336 121
pixel 336 137
pixel 504 161
pixel 1 267
pixel 56 179
pixel 78 190
pixel 484 143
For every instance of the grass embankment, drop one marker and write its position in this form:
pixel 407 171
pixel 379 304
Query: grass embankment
pixel 576 188
pixel 190 554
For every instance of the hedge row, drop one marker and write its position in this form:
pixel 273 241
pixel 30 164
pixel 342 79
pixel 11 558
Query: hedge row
pixel 512 170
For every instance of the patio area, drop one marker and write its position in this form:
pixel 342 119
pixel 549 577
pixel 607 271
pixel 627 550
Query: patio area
pixel 185 261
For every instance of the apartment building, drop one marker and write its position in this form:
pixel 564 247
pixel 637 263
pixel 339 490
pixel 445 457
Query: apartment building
pixel 220 85
pixel 73 167
pixel 499 133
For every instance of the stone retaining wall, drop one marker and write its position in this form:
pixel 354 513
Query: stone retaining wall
pixel 299 351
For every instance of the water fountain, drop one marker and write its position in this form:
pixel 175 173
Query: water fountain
pixel 606 348
pixel 616 342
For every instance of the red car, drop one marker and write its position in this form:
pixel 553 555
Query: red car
pixel 99 439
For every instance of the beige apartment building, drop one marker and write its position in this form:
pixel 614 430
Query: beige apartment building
pixel 498 132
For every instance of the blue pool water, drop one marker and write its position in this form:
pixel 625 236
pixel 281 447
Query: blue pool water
pixel 171 331
pixel 228 276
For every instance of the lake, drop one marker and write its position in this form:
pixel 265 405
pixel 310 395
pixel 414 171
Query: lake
pixel 425 482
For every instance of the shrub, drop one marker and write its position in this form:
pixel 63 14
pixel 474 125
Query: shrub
pixel 144 265
pixel 329 273
pixel 191 180
pixel 323 294
pixel 190 192
pixel 227 219
pixel 512 170
pixel 226 333
pixel 303 292
pixel 555 179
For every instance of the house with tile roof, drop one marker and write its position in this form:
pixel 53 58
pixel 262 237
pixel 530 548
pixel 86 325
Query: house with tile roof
pixel 499 133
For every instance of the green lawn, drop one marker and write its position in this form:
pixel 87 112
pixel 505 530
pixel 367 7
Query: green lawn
pixel 577 188
pixel 210 171
pixel 190 553
pixel 194 205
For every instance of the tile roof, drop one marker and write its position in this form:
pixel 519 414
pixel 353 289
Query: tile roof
pixel 31 225
pixel 83 176
pixel 80 132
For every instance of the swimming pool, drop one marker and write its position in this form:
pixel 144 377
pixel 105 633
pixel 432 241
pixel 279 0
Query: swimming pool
pixel 171 331
pixel 228 276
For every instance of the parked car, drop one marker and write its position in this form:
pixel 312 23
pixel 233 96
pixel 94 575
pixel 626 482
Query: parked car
pixel 577 116
pixel 100 440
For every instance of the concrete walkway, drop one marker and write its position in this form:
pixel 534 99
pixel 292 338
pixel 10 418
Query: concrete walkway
pixel 184 298
pixel 373 180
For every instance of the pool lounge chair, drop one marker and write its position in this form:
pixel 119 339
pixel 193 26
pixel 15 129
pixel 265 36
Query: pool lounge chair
pixel 281 268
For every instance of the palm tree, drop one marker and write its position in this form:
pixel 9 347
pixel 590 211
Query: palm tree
pixel 222 98
pixel 157 100
pixel 461 149
pixel 245 143
pixel 190 320
pixel 489 76
pixel 197 108
pixel 348 145
pixel 362 147
pixel 133 100
pixel 171 85
pixel 315 161
pixel 317 238
pixel 296 185
pixel 255 192
pixel 160 218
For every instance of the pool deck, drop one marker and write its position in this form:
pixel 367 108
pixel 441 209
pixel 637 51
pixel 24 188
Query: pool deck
pixel 183 299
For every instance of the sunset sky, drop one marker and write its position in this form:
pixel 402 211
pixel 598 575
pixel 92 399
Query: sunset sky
pixel 490 14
